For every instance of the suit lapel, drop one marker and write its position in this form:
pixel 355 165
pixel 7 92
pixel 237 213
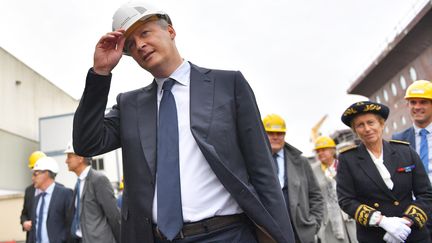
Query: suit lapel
pixel 365 162
pixel 201 101
pixel 294 181
pixel 147 118
pixel 53 201
pixel 86 185
pixel 411 137
pixel 390 159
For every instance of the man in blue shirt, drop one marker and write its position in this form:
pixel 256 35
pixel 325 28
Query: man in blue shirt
pixel 54 200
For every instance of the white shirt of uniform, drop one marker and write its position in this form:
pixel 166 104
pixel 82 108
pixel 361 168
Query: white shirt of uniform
pixel 382 169
pixel 82 178
pixel 47 201
pixel 202 194
pixel 429 139
pixel 281 167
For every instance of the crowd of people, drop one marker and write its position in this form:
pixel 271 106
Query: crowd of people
pixel 200 165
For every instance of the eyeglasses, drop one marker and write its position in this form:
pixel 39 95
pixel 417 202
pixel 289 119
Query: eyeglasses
pixel 38 172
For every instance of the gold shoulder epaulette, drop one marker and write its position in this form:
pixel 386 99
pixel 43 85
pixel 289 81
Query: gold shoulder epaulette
pixel 399 141
pixel 347 148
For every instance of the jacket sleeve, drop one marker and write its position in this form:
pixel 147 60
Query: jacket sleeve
pixel 26 211
pixel 316 200
pixel 421 208
pixel 256 150
pixel 93 133
pixel 105 196
pixel 347 195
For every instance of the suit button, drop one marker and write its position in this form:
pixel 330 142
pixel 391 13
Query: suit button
pixel 376 205
pixel 396 203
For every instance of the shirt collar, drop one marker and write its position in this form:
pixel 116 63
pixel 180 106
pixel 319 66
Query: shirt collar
pixel 379 159
pixel 181 75
pixel 84 173
pixel 280 153
pixel 324 166
pixel 50 189
pixel 417 129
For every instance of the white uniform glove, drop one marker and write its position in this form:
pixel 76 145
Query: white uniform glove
pixel 390 239
pixel 396 227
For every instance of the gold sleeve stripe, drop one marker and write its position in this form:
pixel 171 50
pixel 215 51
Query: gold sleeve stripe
pixel 417 214
pixel 363 214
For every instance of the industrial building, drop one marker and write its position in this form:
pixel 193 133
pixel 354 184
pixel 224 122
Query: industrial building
pixel 405 59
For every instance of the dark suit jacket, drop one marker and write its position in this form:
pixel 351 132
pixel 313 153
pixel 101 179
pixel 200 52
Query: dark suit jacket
pixel 100 217
pixel 27 206
pixel 361 189
pixel 408 136
pixel 306 202
pixel 57 220
pixel 226 124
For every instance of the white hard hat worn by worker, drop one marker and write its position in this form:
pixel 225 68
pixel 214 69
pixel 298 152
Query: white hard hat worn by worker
pixel 129 15
pixel 69 149
pixel 46 163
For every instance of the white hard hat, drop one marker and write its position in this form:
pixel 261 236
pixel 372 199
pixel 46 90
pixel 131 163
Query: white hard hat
pixel 130 13
pixel 47 163
pixel 69 148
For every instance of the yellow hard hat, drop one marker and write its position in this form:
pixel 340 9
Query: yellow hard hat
pixel 419 89
pixel 35 156
pixel 121 185
pixel 324 142
pixel 274 123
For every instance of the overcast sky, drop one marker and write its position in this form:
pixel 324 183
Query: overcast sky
pixel 299 56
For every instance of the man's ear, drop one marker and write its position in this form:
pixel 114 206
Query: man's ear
pixel 172 32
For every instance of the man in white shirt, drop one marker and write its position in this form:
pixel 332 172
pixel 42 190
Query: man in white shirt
pixel 96 217
pixel 196 161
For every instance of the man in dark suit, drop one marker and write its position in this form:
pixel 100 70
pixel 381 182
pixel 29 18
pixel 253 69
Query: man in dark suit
pixel 419 99
pixel 30 193
pixel 297 180
pixel 50 206
pixel 96 216
pixel 227 183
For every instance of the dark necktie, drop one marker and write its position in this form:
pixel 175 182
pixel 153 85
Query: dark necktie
pixel 169 207
pixel 40 218
pixel 76 218
pixel 276 164
pixel 424 149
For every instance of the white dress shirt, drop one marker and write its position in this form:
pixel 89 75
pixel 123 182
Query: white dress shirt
pixel 47 200
pixel 382 169
pixel 82 178
pixel 281 167
pixel 429 139
pixel 202 194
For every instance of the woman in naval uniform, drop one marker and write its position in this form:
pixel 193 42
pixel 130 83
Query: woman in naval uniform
pixel 382 184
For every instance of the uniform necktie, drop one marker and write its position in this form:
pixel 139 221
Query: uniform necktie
pixel 424 149
pixel 40 218
pixel 76 218
pixel 169 207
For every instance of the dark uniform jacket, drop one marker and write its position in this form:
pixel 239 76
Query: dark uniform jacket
pixel 361 189
pixel 27 207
